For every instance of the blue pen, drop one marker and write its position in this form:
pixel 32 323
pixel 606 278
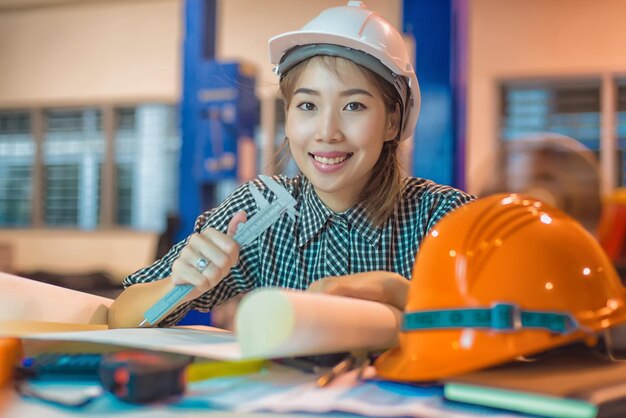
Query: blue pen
pixel 246 233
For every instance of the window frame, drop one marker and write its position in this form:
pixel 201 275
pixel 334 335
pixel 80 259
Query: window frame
pixel 608 147
pixel 108 194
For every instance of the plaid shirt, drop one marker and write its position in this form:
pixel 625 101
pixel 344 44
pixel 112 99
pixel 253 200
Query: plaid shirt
pixel 318 244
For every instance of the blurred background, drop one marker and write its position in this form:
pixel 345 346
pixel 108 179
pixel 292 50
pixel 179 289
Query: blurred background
pixel 122 120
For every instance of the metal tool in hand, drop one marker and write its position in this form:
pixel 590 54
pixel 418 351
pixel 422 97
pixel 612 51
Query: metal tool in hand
pixel 246 233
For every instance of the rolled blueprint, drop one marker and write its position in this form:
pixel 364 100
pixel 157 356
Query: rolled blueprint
pixel 273 322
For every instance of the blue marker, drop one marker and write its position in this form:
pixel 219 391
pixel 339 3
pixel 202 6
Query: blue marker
pixel 246 233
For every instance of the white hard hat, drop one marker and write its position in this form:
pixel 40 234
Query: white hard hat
pixel 360 35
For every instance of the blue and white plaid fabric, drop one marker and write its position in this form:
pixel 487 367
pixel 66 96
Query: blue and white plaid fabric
pixel 318 244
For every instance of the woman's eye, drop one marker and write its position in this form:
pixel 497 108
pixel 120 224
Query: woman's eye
pixel 306 106
pixel 354 106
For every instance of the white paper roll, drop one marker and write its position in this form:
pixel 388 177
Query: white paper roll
pixel 276 322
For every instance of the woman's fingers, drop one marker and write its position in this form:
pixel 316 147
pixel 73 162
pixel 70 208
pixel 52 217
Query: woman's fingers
pixel 380 286
pixel 184 270
pixel 205 260
pixel 208 256
pixel 215 244
pixel 208 249
pixel 368 291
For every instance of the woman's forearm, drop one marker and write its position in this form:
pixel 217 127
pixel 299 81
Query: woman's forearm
pixel 128 309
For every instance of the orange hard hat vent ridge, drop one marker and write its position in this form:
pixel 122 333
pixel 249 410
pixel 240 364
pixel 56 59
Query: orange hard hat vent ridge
pixel 494 228
pixel 501 277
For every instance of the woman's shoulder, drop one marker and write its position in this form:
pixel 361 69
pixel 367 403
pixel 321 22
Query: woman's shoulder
pixel 427 202
pixel 420 189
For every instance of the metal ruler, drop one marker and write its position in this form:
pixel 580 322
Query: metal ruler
pixel 246 233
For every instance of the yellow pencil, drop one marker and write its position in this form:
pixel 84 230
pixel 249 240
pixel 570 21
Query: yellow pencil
pixel 208 369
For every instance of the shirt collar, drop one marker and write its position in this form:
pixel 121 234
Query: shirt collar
pixel 314 214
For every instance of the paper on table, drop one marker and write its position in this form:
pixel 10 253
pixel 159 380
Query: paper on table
pixel 208 342
pixel 270 323
pixel 286 391
pixel 273 322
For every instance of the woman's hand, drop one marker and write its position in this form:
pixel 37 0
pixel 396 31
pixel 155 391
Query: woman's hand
pixel 218 251
pixel 379 286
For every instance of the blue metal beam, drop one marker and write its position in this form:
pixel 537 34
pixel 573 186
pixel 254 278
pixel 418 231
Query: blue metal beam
pixel 198 46
pixel 439 32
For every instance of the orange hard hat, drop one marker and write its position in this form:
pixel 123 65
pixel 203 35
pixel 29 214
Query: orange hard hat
pixel 501 277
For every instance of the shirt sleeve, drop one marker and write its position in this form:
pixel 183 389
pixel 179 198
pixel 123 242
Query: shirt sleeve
pixel 239 279
pixel 445 202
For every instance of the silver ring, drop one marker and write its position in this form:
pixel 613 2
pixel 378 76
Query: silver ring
pixel 201 264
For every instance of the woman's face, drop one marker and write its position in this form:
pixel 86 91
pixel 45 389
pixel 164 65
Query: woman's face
pixel 336 126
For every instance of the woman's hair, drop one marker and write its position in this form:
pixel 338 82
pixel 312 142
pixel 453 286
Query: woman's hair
pixel 384 187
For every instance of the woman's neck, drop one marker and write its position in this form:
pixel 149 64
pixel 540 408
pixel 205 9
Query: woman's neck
pixel 336 202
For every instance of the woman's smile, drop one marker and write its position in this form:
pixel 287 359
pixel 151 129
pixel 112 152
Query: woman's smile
pixel 328 162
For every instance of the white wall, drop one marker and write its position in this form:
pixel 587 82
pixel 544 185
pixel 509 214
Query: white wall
pixel 532 38
pixel 77 53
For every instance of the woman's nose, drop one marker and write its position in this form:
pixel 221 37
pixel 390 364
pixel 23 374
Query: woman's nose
pixel 329 127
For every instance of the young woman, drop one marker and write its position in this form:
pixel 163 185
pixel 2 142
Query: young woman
pixel 351 96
